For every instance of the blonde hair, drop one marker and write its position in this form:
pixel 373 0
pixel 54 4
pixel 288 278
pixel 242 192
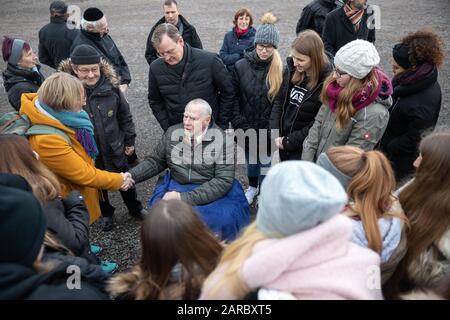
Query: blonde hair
pixel 232 260
pixel 370 189
pixel 61 92
pixel 274 77
pixel 344 105
pixel 310 44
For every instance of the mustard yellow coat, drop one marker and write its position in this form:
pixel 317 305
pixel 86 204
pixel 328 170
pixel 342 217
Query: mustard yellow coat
pixel 73 166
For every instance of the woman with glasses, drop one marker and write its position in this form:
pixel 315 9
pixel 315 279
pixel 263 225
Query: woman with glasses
pixel 239 39
pixel 257 81
pixel 355 100
pixel 298 102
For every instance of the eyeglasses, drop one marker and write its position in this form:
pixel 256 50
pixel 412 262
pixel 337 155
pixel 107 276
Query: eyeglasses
pixel 87 70
pixel 340 73
pixel 262 47
pixel 168 52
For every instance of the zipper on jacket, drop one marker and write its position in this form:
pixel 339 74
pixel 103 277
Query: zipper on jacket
pixel 192 160
pixel 395 104
pixel 298 109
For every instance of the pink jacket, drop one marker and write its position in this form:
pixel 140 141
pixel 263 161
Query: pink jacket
pixel 320 263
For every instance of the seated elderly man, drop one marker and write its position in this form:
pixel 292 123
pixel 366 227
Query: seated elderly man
pixel 200 159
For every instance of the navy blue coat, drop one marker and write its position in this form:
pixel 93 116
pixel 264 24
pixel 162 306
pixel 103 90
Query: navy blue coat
pixel 233 47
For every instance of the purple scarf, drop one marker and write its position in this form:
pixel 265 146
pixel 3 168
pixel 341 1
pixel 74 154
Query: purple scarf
pixel 86 139
pixel 412 76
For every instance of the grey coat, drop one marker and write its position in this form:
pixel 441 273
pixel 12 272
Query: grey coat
pixel 364 130
pixel 210 163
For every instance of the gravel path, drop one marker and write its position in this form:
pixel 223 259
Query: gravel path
pixel 130 22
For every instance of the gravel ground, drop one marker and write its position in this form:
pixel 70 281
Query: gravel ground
pixel 130 22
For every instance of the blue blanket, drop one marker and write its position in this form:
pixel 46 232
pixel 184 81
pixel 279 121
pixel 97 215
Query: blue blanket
pixel 225 216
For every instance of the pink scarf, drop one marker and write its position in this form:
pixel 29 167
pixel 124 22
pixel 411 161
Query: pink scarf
pixel 362 98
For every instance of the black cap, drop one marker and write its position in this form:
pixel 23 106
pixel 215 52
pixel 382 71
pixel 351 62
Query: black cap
pixel 400 53
pixel 58 7
pixel 85 54
pixel 92 14
pixel 22 226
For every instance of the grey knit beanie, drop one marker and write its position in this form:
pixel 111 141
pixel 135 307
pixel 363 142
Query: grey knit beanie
pixel 267 32
pixel 297 196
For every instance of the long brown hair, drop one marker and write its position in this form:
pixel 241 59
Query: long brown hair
pixel 172 233
pixel 17 157
pixel 426 200
pixel 370 189
pixel 344 105
pixel 310 44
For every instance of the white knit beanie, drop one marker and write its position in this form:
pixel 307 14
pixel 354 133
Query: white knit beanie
pixel 357 58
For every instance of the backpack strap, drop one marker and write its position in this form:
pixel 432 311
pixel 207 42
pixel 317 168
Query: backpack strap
pixel 42 129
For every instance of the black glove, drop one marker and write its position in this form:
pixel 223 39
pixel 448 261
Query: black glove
pixel 74 199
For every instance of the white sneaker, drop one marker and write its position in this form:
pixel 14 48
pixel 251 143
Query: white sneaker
pixel 250 194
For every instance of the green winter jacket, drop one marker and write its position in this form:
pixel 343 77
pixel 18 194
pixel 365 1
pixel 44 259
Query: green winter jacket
pixel 209 164
pixel 364 130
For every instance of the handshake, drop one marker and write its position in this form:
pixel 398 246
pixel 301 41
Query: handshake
pixel 128 181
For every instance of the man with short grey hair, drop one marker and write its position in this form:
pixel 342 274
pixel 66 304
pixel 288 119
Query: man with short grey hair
pixel 182 74
pixel 94 32
pixel 200 159
pixel 172 15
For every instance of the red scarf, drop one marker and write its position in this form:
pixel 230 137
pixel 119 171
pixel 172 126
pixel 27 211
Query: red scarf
pixel 354 15
pixel 362 98
pixel 240 33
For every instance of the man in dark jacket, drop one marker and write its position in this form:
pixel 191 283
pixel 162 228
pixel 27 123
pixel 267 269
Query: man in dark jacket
pixel 183 74
pixel 346 24
pixel 113 124
pixel 173 16
pixel 94 32
pixel 314 14
pixel 55 38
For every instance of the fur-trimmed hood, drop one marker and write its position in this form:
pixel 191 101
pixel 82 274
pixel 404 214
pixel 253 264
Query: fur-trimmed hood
pixel 433 265
pixel 105 68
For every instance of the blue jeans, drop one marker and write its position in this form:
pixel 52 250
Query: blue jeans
pixel 257 166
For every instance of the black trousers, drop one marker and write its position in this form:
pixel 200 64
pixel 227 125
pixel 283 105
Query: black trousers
pixel 129 198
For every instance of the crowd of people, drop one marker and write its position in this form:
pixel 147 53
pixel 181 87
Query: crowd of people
pixel 331 221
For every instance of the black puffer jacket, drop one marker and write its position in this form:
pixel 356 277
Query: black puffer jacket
pixel 108 49
pixel 314 14
pixel 110 114
pixel 55 41
pixel 338 31
pixel 294 123
pixel 415 109
pixel 204 76
pixel 18 81
pixel 251 107
pixel 189 35
pixel 68 221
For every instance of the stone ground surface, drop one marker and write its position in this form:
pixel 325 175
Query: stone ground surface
pixel 130 22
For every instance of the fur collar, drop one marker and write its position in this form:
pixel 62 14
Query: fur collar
pixel 105 68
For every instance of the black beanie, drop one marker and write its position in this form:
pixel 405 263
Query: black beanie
pixel 401 55
pixel 85 54
pixel 92 14
pixel 22 227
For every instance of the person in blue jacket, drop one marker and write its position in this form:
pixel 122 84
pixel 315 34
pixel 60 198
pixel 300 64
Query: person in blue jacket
pixel 238 39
